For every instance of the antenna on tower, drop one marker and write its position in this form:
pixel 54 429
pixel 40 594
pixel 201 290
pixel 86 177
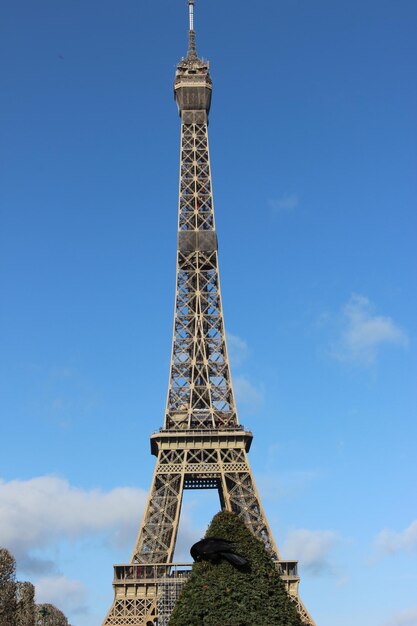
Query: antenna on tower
pixel 191 34
pixel 191 4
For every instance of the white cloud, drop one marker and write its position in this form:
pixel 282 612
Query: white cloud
pixel 37 513
pixel 247 394
pixel 286 202
pixel 188 534
pixel 311 548
pixel 403 618
pixel 389 541
pixel 237 349
pixel 364 333
pixel 68 595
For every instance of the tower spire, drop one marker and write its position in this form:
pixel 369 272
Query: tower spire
pixel 192 54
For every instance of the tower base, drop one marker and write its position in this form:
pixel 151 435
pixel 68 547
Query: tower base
pixel 145 595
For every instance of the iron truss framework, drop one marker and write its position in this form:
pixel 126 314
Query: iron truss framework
pixel 201 445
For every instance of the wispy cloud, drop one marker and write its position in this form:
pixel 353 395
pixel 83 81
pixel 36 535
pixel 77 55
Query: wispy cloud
pixel 408 617
pixel 363 333
pixel 237 348
pixel 62 372
pixel 311 548
pixel 71 513
pixel 69 595
pixel 189 532
pixel 247 393
pixel 276 485
pixel 286 202
pixel 390 542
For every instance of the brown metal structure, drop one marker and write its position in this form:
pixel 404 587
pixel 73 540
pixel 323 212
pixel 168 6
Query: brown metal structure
pixel 202 445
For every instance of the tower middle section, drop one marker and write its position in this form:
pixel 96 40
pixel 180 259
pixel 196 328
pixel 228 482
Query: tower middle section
pixel 200 394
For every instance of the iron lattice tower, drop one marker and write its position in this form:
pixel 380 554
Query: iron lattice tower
pixel 201 445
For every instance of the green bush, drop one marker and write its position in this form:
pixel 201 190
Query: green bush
pixel 223 595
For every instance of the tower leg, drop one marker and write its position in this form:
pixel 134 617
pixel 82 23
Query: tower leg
pixel 241 497
pixel 158 532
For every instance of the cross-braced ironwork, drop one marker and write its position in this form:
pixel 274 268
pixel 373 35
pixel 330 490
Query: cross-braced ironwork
pixel 201 445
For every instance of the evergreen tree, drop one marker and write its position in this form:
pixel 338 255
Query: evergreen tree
pixel 7 588
pixel 223 595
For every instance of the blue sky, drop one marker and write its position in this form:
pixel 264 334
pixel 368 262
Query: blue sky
pixel 313 146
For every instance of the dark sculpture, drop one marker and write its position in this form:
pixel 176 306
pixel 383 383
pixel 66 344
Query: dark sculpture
pixel 214 549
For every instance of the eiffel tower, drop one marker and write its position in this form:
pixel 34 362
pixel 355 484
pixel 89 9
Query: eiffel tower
pixel 201 445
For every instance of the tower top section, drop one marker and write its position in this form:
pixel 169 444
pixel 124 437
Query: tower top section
pixel 192 85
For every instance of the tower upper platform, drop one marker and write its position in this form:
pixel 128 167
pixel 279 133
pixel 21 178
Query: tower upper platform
pixel 192 85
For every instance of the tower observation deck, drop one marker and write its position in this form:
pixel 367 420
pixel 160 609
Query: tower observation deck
pixel 201 444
